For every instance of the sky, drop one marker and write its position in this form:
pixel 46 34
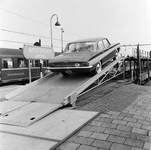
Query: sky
pixel 121 21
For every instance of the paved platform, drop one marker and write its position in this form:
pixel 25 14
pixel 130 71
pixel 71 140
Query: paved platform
pixel 124 121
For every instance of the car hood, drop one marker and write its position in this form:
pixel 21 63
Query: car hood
pixel 73 57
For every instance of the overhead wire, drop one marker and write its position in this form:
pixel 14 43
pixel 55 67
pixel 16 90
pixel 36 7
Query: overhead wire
pixel 31 34
pixel 24 43
pixel 37 21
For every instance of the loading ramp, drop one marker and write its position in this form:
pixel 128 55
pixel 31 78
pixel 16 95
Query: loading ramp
pixel 36 117
pixel 57 89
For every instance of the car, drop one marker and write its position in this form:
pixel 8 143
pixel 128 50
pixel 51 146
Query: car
pixel 85 55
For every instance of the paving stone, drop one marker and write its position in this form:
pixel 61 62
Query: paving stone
pixel 150 133
pixel 147 145
pixel 125 111
pixel 72 138
pixel 97 129
pixel 109 125
pixel 136 148
pixel 103 149
pixel 126 115
pixel 129 135
pixel 97 118
pixel 148 119
pixel 113 113
pixel 112 131
pixel 116 146
pixel 134 113
pixel 83 140
pixel 144 122
pixel 69 146
pixel 101 144
pixel 100 136
pixel 105 120
pixel 139 131
pixel 145 114
pixel 130 109
pixel 144 138
pixel 124 128
pixel 105 115
pixel 146 127
pixel 117 117
pixel 119 121
pixel 130 119
pixel 116 139
pixel 85 147
pixel 96 123
pixel 139 117
pixel 87 127
pixel 132 124
pixel 136 143
pixel 85 133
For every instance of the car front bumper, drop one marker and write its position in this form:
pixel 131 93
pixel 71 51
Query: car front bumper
pixel 73 69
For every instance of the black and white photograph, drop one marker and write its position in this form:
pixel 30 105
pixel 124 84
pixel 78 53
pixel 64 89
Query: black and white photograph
pixel 75 74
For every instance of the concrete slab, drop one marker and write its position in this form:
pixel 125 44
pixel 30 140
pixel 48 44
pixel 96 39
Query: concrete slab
pixel 8 106
pixel 27 114
pixel 17 142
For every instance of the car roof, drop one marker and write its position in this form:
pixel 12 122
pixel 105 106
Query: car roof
pixel 89 39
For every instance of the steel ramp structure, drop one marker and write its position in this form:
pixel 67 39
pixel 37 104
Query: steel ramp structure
pixel 31 118
pixel 57 89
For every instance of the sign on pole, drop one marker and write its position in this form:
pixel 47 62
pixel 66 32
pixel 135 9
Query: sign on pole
pixel 37 52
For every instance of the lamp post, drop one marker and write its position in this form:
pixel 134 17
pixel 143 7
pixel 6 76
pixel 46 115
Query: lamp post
pixel 56 24
pixel 62 40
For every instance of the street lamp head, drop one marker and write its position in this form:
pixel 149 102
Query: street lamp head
pixel 57 24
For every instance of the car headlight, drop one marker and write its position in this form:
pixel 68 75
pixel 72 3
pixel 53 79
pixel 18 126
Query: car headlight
pixel 77 65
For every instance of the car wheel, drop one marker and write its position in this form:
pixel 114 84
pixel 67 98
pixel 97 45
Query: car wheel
pixel 116 57
pixel 64 73
pixel 98 69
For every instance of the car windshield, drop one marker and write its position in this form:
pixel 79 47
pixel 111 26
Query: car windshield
pixel 80 46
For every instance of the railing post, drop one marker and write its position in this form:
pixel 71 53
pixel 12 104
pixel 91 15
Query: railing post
pixel 138 80
pixel 124 70
pixel 148 66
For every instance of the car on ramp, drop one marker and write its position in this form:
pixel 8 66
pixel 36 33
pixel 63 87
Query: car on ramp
pixel 85 55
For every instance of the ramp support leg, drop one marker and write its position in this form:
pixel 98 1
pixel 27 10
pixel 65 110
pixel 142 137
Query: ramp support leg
pixel 70 99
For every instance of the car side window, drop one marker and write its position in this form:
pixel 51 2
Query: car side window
pixel 100 46
pixel 106 43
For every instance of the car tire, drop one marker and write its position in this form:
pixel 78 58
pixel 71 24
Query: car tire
pixel 98 68
pixel 116 57
pixel 64 73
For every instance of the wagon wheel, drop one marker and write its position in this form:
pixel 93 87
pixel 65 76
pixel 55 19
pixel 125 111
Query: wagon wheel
pixel 98 68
